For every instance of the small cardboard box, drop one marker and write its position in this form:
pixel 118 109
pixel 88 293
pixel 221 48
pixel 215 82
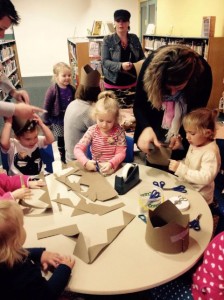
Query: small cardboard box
pixel 167 229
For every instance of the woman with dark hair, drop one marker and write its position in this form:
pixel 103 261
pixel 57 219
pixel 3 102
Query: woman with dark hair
pixel 120 51
pixel 77 115
pixel 173 80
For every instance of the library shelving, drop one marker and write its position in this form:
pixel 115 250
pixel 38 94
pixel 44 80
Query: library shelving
pixel 211 48
pixel 10 62
pixel 82 51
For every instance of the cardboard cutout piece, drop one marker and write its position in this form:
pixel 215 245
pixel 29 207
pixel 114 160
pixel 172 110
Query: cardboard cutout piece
pixel 167 229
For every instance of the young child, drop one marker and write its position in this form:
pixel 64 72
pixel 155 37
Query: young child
pixel 202 161
pixel 17 186
pixel 20 269
pixel 57 98
pixel 106 137
pixel 23 150
pixel 207 281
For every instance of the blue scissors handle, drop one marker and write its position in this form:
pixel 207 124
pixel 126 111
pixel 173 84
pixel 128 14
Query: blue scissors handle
pixel 159 184
pixel 178 188
pixel 97 166
pixel 154 194
pixel 195 223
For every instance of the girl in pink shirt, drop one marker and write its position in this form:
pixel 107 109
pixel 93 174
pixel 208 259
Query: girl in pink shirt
pixel 106 138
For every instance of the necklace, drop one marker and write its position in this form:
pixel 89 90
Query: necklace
pixel 124 45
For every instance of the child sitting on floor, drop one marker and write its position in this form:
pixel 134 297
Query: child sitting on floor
pixel 24 149
pixel 20 269
pixel 202 162
pixel 106 137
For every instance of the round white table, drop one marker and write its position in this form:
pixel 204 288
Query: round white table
pixel 128 264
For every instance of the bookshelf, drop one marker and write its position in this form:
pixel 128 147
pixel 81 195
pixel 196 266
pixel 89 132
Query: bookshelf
pixel 211 48
pixel 10 62
pixel 82 51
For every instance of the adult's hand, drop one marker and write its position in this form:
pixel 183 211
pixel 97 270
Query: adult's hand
pixel 26 111
pixel 147 137
pixel 20 95
pixel 126 66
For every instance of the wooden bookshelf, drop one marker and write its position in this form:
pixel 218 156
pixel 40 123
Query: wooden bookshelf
pixel 211 48
pixel 82 51
pixel 10 62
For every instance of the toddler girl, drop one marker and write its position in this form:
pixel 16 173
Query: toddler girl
pixel 106 137
pixel 57 98
pixel 23 150
pixel 202 161
pixel 20 269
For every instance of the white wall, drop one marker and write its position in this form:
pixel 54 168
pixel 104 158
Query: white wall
pixel 41 36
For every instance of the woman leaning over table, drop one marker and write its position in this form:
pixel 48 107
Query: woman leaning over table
pixel 119 51
pixel 173 81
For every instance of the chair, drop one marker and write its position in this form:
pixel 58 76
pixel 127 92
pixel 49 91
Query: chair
pixel 47 156
pixel 129 151
pixel 4 158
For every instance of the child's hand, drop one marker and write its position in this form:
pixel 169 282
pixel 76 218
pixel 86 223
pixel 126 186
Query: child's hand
pixel 173 165
pixel 38 119
pixel 176 142
pixel 22 193
pixel 55 259
pixel 106 168
pixel 50 259
pixel 36 184
pixel 90 165
pixel 68 261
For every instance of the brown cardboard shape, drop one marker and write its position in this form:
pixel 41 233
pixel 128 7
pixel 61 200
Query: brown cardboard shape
pixel 138 66
pixel 69 231
pixel 89 77
pixel 95 208
pixel 88 255
pixel 98 186
pixel 159 156
pixel 167 229
pixel 38 207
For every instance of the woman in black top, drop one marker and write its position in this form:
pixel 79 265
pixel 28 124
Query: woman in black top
pixel 173 81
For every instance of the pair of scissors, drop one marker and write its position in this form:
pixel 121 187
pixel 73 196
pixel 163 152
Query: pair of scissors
pixel 97 166
pixel 159 184
pixel 154 194
pixel 195 223
pixel 178 188
pixel 143 218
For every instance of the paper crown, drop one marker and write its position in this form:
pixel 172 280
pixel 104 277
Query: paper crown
pixel 89 77
pixel 20 125
pixel 167 229
pixel 137 66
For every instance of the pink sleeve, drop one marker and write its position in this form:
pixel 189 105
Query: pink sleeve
pixel 11 183
pixel 118 157
pixel 120 153
pixel 7 196
pixel 79 152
